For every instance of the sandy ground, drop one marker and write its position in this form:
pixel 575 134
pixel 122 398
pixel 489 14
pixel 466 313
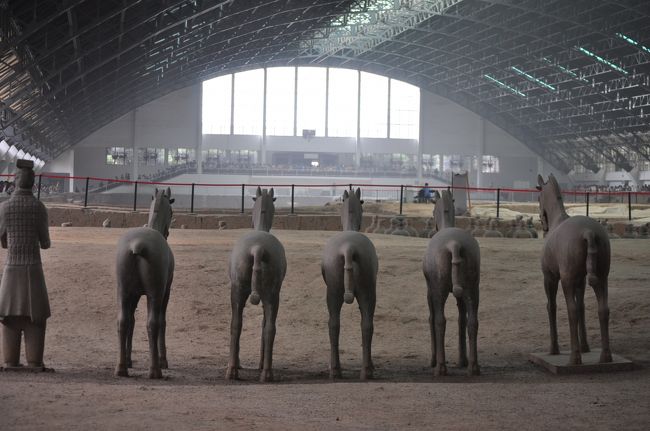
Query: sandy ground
pixel 510 394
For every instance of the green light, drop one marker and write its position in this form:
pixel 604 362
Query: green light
pixel 631 41
pixel 565 70
pixel 532 78
pixel 602 60
pixel 507 87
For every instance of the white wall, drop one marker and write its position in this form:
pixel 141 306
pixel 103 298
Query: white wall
pixel 173 121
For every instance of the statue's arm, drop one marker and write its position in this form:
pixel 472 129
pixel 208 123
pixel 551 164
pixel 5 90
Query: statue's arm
pixel 3 230
pixel 43 229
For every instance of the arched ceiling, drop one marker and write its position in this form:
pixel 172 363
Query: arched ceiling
pixel 570 79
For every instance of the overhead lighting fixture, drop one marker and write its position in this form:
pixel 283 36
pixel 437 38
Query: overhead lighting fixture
pixel 565 70
pixel 631 41
pixel 532 78
pixel 505 86
pixel 602 60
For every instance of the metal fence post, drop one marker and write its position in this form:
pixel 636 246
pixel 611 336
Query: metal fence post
pixel 401 198
pixel 242 197
pixel 135 196
pixel 38 196
pixel 192 200
pixel 498 201
pixel 292 196
pixel 86 193
pixel 587 199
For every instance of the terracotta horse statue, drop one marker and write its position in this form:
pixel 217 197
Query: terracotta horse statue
pixel 145 266
pixel 349 268
pixel 452 264
pixel 257 268
pixel 576 252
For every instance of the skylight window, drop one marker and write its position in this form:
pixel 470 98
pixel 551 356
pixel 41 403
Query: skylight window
pixel 631 41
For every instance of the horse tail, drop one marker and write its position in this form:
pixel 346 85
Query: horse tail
pixel 256 252
pixel 348 267
pixel 137 247
pixel 456 260
pixel 592 255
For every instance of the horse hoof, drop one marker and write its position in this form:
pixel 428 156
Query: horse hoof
pixel 555 350
pixel 605 356
pixel 462 362
pixel 232 373
pixel 163 363
pixel 266 376
pixel 585 349
pixel 335 373
pixel 440 370
pixel 432 364
pixel 121 371
pixel 473 370
pixel 129 364
pixel 155 373
pixel 366 374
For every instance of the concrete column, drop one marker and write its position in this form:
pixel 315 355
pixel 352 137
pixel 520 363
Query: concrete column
pixel 420 140
pixel 481 152
pixel 357 150
pixel 135 161
pixel 199 129
pixel 263 146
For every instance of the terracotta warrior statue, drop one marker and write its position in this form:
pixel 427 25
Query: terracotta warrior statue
pixel 452 265
pixel 24 304
pixel 145 266
pixel 349 268
pixel 576 252
pixel 257 268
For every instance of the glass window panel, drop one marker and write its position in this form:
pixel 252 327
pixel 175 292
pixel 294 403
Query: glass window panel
pixel 280 89
pixel 404 110
pixel 374 105
pixel 311 99
pixel 249 101
pixel 216 105
pixel 343 97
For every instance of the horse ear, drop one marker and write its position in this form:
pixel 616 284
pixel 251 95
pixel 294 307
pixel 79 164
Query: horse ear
pixel 540 181
pixel 345 194
pixel 358 192
pixel 271 192
pixel 258 192
pixel 169 192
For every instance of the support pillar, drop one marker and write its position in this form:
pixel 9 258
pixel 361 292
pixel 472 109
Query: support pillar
pixel 199 129
pixel 357 146
pixel 132 137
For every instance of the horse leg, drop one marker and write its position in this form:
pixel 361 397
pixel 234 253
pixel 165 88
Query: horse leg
pixel 124 321
pixel 440 323
pixel 582 327
pixel 473 368
pixel 162 345
pixel 129 336
pixel 569 288
pixel 154 307
pixel 550 287
pixel 367 308
pixel 270 315
pixel 462 331
pixel 334 304
pixel 603 316
pixel 261 367
pixel 238 301
pixel 432 328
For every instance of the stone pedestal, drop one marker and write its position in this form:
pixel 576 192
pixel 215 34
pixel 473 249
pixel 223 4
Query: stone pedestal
pixel 559 364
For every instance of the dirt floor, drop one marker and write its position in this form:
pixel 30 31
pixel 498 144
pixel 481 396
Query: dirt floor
pixel 511 393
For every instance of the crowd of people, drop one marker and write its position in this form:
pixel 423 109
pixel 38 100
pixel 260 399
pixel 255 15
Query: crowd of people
pixel 611 188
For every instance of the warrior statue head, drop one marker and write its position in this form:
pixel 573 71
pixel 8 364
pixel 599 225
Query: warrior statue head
pixel 25 174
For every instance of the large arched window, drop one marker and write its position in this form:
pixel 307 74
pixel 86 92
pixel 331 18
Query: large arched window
pixel 332 102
